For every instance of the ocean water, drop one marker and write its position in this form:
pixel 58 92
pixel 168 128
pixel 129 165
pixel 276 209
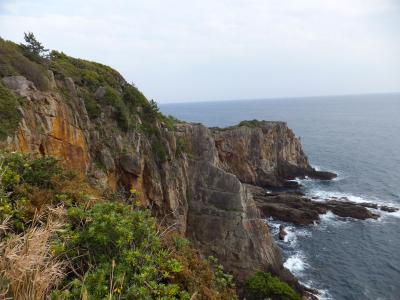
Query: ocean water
pixel 357 137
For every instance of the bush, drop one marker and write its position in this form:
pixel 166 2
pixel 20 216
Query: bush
pixel 181 146
pixel 133 97
pixel 119 254
pixel 28 184
pixel 83 72
pixel 10 116
pixel 251 123
pixel 91 105
pixel 203 277
pixel 264 285
pixel 159 149
pixel 13 62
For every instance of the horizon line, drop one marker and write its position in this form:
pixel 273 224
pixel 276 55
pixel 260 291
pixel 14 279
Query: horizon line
pixel 278 98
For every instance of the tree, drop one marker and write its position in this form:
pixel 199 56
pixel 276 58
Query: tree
pixel 34 46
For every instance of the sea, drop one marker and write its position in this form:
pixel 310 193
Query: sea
pixel 358 137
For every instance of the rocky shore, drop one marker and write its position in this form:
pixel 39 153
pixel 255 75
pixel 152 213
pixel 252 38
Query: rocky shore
pixel 296 208
pixel 209 184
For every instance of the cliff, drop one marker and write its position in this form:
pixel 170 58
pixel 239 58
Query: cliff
pixel 190 176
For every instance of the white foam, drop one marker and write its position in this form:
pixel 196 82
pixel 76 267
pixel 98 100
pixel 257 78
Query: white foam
pixel 322 294
pixel 329 195
pixel 385 215
pixel 328 217
pixel 317 168
pixel 290 236
pixel 296 263
pixel 322 196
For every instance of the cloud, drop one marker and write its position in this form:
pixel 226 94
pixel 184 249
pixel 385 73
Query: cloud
pixel 202 50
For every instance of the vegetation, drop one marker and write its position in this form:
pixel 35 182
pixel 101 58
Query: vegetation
pixel 14 60
pixel 9 113
pixel 264 285
pixel 34 46
pixel 127 102
pixel 181 146
pixel 61 239
pixel 28 186
pixel 79 245
pixel 251 123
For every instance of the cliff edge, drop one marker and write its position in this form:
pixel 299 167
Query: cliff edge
pixel 191 177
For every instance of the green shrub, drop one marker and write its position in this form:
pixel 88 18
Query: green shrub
pixel 181 146
pixel 159 149
pixel 133 97
pixel 91 105
pixel 83 72
pixel 38 172
pixel 151 112
pixel 113 250
pixel 27 184
pixel 250 123
pixel 119 255
pixel 264 285
pixel 10 116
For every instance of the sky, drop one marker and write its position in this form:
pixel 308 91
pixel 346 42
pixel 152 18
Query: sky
pixel 190 50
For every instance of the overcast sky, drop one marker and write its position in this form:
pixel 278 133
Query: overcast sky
pixel 189 50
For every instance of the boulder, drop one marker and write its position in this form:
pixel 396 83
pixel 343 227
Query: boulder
pixel 99 93
pixel 321 175
pixel 131 164
pixel 282 232
pixel 388 208
pixel 19 84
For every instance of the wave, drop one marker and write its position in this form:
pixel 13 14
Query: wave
pixel 322 294
pixel 327 195
pixel 296 263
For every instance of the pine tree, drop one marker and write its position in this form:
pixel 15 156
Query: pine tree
pixel 34 46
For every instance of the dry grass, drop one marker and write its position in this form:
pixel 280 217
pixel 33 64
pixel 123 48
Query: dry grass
pixel 28 269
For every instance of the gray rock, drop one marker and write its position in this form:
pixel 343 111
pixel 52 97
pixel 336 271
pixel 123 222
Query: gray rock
pixel 282 232
pixel 297 209
pixel 99 93
pixel 19 84
pixel 52 80
pixel 70 85
pixel 388 208
pixel 107 160
pixel 131 164
pixel 224 222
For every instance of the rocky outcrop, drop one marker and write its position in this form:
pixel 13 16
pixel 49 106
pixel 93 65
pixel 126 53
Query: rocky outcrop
pixel 282 232
pixel 267 155
pixel 300 210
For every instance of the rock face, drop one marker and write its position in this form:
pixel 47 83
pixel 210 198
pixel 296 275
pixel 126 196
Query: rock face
pixel 200 190
pixel 50 126
pixel 265 155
